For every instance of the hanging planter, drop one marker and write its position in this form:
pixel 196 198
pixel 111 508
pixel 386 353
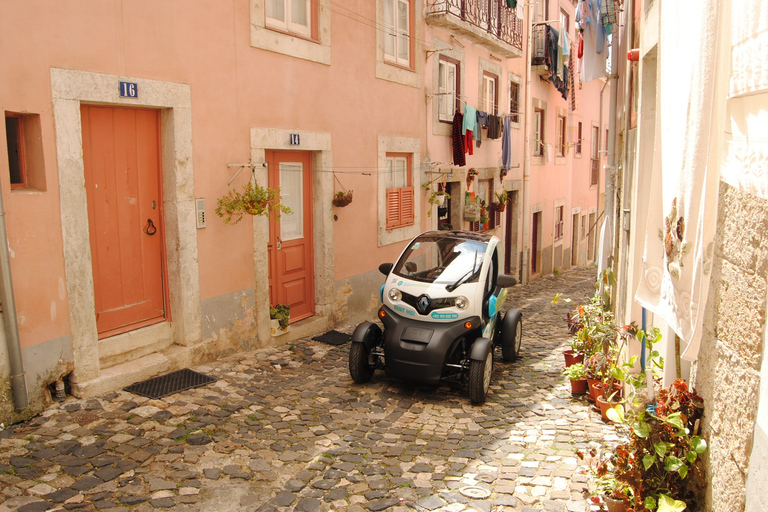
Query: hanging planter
pixel 438 198
pixel 341 199
pixel 252 200
pixel 471 173
pixel 502 199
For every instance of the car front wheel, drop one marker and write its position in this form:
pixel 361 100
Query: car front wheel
pixel 480 378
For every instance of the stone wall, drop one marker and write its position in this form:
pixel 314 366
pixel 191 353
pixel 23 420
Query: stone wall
pixel 727 374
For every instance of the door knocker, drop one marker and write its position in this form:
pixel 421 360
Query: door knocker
pixel 150 229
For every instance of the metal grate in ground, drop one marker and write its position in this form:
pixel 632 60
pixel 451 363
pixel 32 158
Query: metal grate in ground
pixel 158 387
pixel 333 337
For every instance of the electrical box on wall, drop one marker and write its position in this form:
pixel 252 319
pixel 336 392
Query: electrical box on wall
pixel 200 209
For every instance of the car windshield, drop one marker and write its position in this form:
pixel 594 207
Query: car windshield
pixel 442 260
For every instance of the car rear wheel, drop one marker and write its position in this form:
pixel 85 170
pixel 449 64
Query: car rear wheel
pixel 511 335
pixel 480 378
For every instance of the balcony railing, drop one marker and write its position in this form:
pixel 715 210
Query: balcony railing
pixel 490 17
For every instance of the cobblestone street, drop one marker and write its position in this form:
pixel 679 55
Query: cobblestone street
pixel 286 429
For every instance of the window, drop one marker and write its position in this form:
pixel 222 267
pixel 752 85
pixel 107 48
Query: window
pixel 565 23
pixel 25 150
pixel 606 139
pixel 484 192
pixel 595 178
pixel 397 39
pixel 559 223
pixel 561 135
pixel 397 179
pixel 490 93
pixel 579 129
pixel 448 88
pixel 293 16
pixel 514 102
pixel 538 132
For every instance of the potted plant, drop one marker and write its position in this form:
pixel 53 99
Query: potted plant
pixel 471 173
pixel 502 199
pixel 660 462
pixel 253 200
pixel 578 377
pixel 280 317
pixel 342 198
pixel 438 198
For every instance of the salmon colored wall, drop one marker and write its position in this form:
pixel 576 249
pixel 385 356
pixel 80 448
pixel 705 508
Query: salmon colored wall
pixel 234 88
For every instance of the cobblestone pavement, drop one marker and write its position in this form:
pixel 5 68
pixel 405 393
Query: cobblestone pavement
pixel 286 429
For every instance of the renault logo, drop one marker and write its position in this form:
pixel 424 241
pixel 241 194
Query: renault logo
pixel 423 303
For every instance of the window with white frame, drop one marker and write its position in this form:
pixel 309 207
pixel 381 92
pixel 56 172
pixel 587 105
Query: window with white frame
pixel 579 132
pixel 559 222
pixel 448 88
pixel 397 27
pixel 400 197
pixel 490 93
pixel 293 16
pixel 538 132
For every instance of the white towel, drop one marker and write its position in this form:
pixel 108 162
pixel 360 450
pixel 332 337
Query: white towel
pixel 682 206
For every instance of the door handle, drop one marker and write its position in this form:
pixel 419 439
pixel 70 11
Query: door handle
pixel 279 243
pixel 150 229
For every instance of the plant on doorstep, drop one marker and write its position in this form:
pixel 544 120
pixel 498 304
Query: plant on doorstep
pixel 280 316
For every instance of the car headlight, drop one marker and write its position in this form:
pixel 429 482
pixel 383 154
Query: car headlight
pixel 394 294
pixel 461 302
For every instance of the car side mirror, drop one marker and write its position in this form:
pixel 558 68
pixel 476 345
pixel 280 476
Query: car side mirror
pixel 386 268
pixel 506 281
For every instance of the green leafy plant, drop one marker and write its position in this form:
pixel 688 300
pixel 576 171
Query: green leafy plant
pixel 575 372
pixel 661 461
pixel 436 198
pixel 252 200
pixel 281 313
pixel 502 197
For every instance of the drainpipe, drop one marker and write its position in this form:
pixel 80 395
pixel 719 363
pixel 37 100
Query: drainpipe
pixel 18 382
pixel 527 150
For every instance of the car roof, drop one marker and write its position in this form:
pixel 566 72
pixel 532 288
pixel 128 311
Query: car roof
pixel 467 235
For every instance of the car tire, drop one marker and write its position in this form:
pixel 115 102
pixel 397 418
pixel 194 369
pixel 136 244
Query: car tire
pixel 360 367
pixel 480 378
pixel 511 335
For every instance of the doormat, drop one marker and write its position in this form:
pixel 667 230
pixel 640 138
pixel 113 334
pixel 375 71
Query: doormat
pixel 181 380
pixel 333 338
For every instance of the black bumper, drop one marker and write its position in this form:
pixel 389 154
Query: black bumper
pixel 417 350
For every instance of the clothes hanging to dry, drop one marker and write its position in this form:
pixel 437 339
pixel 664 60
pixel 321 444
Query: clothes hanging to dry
pixel 457 140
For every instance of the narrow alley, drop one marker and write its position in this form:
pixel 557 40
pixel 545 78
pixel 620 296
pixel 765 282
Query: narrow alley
pixel 286 429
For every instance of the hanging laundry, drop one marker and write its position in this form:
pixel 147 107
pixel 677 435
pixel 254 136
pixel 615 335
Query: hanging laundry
pixel 457 140
pixel 494 127
pixel 512 3
pixel 482 118
pixel 583 13
pixel 607 13
pixel 470 119
pixel 468 141
pixel 592 63
pixel 506 145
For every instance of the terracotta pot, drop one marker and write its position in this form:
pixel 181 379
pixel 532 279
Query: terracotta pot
pixel 595 388
pixel 578 387
pixel 614 505
pixel 604 406
pixel 571 357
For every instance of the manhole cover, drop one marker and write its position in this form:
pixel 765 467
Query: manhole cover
pixel 475 492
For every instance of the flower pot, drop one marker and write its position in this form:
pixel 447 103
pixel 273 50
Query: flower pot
pixel 571 357
pixel 614 505
pixel 275 327
pixel 604 405
pixel 578 387
pixel 595 388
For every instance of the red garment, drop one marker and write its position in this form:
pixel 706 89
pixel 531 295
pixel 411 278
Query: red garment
pixel 457 140
pixel 468 141
pixel 581 46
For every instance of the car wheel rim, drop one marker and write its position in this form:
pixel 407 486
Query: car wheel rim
pixel 487 371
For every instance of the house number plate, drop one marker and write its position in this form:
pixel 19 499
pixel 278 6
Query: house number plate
pixel 129 90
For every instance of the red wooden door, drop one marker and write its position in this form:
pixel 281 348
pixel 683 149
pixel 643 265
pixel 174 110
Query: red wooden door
pixel 291 272
pixel 121 153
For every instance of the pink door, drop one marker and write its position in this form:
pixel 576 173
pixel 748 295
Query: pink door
pixel 291 270
pixel 121 153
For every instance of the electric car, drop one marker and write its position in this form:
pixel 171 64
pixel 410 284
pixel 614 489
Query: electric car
pixel 440 315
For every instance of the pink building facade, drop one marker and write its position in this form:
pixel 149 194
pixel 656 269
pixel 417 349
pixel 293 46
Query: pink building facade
pixel 126 122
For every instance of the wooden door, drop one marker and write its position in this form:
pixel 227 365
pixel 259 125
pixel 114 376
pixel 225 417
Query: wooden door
pixel 291 272
pixel 121 155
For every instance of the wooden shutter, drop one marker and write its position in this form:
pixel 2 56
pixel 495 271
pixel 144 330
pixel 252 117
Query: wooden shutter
pixel 400 207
